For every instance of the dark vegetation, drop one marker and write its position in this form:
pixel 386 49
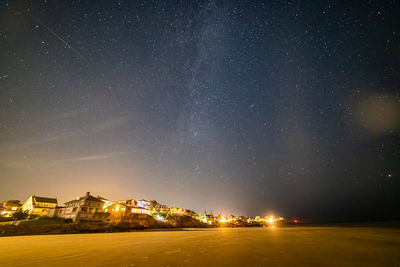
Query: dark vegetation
pixel 46 225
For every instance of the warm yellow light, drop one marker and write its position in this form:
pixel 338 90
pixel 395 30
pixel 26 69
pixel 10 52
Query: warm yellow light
pixel 223 219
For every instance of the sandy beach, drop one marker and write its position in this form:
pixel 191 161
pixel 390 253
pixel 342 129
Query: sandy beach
pixel 272 246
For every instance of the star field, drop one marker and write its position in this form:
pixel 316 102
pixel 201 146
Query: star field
pixel 242 107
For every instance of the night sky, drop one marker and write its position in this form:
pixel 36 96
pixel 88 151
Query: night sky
pixel 242 107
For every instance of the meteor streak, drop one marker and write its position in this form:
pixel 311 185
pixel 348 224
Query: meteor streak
pixel 59 38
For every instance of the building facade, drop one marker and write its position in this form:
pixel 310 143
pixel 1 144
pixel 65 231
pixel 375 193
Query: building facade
pixel 39 206
pixel 8 208
pixel 136 207
pixel 86 208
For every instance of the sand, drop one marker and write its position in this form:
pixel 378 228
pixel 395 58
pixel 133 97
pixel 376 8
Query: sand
pixel 286 246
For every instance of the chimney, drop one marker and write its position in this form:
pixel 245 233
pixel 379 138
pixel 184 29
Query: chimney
pixel 87 194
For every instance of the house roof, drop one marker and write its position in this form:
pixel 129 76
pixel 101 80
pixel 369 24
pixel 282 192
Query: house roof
pixel 92 198
pixel 87 197
pixel 45 199
pixel 126 201
pixel 13 203
pixel 102 199
pixel 118 204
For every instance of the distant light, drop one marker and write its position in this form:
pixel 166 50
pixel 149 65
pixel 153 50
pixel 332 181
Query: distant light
pixel 223 219
pixel 160 218
pixel 271 219
pixel 389 175
pixel 296 221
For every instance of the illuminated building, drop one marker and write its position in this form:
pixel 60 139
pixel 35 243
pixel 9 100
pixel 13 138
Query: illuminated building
pixel 8 208
pixel 128 202
pixel 226 219
pixel 39 206
pixel 177 211
pixel 117 211
pixel 209 218
pixel 136 207
pixel 160 208
pixel 86 208
pixel 144 204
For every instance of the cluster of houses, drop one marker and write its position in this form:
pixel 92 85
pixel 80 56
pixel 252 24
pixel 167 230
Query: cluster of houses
pixel 89 208
pixel 96 208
